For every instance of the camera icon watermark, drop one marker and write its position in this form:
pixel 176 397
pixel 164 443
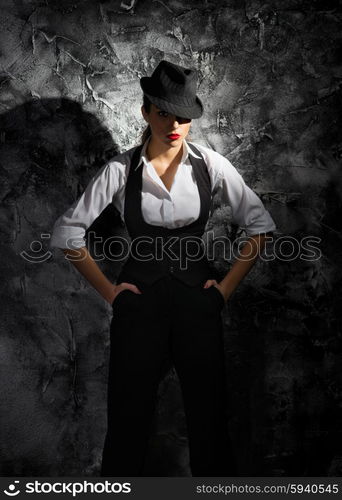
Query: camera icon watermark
pixel 12 489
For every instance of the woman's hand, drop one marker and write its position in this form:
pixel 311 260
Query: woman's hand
pixel 210 283
pixel 118 288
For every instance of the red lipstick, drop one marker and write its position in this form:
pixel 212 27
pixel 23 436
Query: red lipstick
pixel 173 137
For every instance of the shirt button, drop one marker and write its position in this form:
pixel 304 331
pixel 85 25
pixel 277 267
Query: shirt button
pixel 171 269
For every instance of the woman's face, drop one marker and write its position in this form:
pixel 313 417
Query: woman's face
pixel 165 127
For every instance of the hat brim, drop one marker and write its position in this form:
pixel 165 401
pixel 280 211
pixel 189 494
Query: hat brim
pixel 182 111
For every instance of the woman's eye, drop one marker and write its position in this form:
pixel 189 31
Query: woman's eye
pixel 163 113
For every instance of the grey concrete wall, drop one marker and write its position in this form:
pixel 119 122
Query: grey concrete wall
pixel 270 79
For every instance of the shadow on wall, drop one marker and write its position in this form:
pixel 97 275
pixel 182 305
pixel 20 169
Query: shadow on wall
pixel 50 149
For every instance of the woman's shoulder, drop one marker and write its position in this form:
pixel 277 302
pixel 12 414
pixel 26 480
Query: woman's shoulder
pixel 118 165
pixel 123 158
pixel 206 151
pixel 218 165
pixel 213 158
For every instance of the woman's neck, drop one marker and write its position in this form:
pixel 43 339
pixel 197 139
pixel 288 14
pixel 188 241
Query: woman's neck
pixel 162 153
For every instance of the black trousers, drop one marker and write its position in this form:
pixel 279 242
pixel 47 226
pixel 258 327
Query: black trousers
pixel 168 320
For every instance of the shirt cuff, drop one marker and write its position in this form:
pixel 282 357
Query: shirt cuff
pixel 263 224
pixel 68 237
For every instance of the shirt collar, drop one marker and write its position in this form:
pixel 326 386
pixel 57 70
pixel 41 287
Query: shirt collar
pixel 187 150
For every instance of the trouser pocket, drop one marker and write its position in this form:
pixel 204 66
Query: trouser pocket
pixel 217 296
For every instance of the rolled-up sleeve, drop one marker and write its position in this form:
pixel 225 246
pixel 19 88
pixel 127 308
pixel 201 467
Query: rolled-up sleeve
pixel 69 229
pixel 248 211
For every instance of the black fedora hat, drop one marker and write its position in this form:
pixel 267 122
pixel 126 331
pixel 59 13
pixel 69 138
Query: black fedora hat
pixel 173 89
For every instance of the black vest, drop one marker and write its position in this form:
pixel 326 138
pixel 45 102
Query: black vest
pixel 157 251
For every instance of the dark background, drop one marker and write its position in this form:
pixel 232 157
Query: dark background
pixel 270 80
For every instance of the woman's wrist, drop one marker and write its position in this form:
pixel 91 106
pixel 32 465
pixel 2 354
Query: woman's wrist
pixel 225 290
pixel 110 294
pixel 86 265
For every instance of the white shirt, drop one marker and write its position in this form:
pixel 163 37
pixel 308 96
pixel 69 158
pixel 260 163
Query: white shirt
pixel 176 208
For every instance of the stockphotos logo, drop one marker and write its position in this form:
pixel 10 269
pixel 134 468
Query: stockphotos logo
pixel 68 487
pixel 12 490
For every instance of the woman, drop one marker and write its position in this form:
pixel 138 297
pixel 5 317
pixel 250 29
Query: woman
pixel 166 302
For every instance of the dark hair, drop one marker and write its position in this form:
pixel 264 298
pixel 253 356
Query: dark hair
pixel 147 132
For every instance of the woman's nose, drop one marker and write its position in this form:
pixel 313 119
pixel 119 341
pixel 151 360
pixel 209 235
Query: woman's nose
pixel 175 122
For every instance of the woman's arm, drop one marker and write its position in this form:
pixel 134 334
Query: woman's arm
pixel 247 212
pixel 70 228
pixel 86 265
pixel 242 265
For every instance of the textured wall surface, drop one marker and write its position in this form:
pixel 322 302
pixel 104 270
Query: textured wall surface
pixel 270 79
